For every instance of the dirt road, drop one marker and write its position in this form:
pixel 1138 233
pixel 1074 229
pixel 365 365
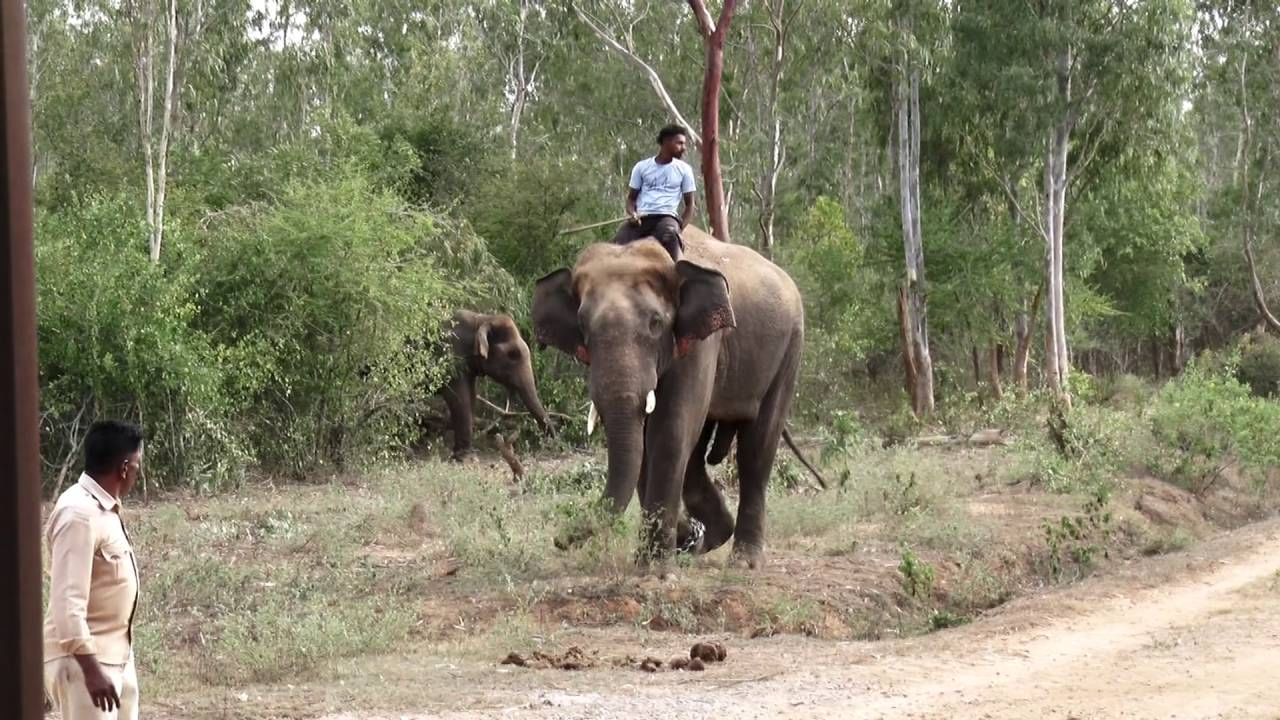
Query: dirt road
pixel 1192 635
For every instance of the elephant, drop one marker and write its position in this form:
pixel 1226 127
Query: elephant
pixel 487 346
pixel 679 353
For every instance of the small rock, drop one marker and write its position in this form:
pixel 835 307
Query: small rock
pixel 697 665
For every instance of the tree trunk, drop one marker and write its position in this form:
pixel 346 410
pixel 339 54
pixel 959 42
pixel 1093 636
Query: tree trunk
pixel 1058 361
pixel 994 363
pixel 142 17
pixel 907 107
pixel 977 366
pixel 713 36
pixel 1179 348
pixel 908 350
pixel 1259 296
pixel 777 155
pixel 1023 331
pixel 166 123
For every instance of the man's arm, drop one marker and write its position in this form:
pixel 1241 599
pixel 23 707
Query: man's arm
pixel 687 215
pixel 633 193
pixel 632 196
pixel 687 187
pixel 71 545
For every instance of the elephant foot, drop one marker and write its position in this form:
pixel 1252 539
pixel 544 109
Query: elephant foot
pixel 462 456
pixel 747 557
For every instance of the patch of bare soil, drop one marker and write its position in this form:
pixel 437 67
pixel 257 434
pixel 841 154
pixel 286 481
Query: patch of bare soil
pixel 1189 635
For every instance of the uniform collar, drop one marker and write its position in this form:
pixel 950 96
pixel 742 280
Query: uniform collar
pixel 104 498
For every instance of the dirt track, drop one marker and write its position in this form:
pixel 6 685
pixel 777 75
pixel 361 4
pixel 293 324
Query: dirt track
pixel 1194 635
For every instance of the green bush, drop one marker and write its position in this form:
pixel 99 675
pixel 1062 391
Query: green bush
pixel 330 304
pixel 1259 366
pixel 115 340
pixel 1209 420
pixel 1082 450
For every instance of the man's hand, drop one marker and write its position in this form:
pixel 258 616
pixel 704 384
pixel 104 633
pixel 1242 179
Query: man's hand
pixel 633 217
pixel 101 690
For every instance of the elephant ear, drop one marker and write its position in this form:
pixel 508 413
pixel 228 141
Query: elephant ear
pixel 555 314
pixel 705 306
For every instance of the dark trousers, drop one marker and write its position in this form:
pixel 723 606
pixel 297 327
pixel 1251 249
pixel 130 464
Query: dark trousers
pixel 663 228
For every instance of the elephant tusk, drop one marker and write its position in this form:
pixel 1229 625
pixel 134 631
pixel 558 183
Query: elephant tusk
pixel 650 403
pixel 592 416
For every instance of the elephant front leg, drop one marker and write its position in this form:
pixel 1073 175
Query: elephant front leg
pixel 459 396
pixel 671 435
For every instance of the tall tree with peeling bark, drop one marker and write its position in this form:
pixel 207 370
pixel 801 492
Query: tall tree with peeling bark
pixel 913 307
pixel 714 33
pixel 147 33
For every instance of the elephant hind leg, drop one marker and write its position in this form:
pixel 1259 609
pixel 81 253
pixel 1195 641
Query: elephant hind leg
pixel 757 449
pixel 724 440
pixel 703 501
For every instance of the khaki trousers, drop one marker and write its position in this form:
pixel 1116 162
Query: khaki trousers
pixel 64 681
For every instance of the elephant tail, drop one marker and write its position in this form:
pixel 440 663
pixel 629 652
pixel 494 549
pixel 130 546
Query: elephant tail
pixel 786 435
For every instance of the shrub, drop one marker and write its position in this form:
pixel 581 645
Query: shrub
pixel 329 304
pixel 115 340
pixel 1210 421
pixel 1259 366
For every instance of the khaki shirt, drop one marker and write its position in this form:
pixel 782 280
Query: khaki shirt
pixel 93 588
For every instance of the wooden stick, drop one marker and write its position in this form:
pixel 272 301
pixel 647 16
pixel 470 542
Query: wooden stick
pixel 513 413
pixel 593 226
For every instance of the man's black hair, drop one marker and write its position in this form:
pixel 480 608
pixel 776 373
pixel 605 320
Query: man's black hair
pixel 108 443
pixel 671 131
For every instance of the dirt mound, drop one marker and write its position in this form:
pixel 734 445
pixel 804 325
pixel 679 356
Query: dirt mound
pixel 1170 506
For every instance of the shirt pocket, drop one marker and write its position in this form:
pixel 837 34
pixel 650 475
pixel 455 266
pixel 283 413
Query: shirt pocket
pixel 117 559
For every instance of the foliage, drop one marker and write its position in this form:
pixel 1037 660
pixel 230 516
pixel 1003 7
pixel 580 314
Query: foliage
pixel 1076 541
pixel 1207 422
pixel 1259 366
pixel 330 304
pixel 917 575
pixel 117 339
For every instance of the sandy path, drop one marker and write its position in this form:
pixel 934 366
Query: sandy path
pixel 1203 642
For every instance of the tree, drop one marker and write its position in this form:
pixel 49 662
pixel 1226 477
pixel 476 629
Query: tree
pixel 144 22
pixel 713 37
pixel 1059 77
pixel 912 304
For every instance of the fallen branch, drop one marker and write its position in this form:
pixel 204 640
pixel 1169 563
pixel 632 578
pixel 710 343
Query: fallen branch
pixel 786 435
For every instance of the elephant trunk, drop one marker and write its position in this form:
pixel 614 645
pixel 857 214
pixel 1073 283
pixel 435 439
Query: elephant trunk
pixel 529 396
pixel 624 432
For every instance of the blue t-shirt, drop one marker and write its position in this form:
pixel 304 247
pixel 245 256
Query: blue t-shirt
pixel 661 186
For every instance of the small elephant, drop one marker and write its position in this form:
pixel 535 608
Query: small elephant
pixel 679 353
pixel 487 346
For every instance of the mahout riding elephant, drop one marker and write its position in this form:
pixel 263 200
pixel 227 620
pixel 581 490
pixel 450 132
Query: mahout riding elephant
pixel 678 352
pixel 487 346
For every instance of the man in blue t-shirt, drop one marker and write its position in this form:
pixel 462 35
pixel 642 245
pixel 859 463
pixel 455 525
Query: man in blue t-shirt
pixel 658 184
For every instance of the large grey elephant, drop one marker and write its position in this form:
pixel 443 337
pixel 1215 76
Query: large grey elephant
pixel 487 346
pixel 679 353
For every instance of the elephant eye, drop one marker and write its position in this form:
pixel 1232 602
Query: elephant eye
pixel 514 353
pixel 655 323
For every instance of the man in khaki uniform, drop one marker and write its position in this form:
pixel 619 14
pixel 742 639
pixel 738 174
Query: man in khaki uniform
pixel 93 589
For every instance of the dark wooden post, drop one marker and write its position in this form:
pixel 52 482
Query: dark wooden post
pixel 20 606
